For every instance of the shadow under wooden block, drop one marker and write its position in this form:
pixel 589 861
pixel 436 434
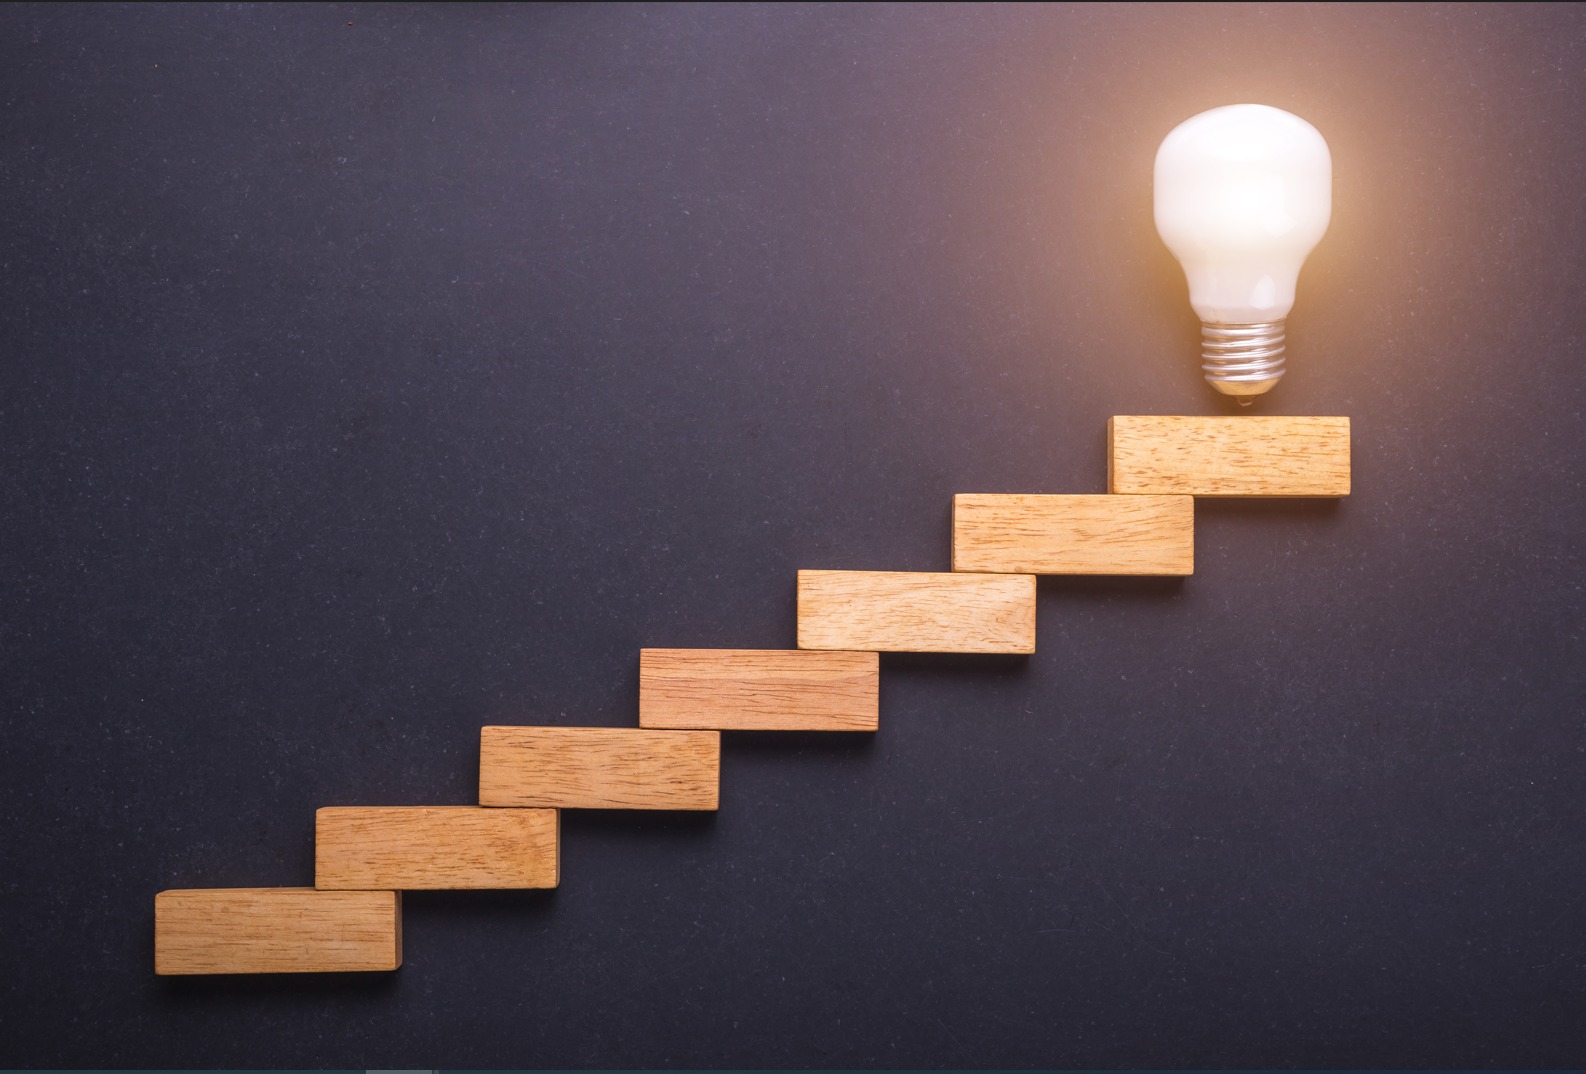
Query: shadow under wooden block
pixel 599 768
pixel 435 848
pixel 895 611
pixel 276 930
pixel 1074 534
pixel 1237 456
pixel 759 689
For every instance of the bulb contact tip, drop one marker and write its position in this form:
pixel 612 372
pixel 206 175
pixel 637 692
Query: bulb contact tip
pixel 1242 360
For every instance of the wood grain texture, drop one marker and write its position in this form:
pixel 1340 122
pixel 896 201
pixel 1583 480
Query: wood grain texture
pixel 893 611
pixel 1074 534
pixel 599 768
pixel 1241 456
pixel 434 847
pixel 276 930
pixel 759 689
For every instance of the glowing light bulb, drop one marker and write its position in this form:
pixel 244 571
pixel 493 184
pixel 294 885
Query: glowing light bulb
pixel 1243 194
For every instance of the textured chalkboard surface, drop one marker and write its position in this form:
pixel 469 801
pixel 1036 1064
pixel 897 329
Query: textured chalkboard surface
pixel 372 374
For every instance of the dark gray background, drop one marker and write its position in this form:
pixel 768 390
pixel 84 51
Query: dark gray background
pixel 372 374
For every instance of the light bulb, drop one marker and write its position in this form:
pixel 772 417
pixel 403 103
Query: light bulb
pixel 1243 194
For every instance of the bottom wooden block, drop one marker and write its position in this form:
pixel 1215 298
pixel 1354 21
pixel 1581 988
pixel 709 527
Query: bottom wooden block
pixel 276 930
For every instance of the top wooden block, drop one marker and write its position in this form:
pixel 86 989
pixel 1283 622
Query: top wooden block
pixel 1239 456
pixel 758 689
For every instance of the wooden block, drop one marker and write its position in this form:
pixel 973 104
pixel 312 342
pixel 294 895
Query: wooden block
pixel 428 847
pixel 599 768
pixel 1074 534
pixel 895 611
pixel 1244 456
pixel 276 930
pixel 759 690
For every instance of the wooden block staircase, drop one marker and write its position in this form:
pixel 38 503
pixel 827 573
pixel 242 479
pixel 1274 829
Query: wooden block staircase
pixel 366 856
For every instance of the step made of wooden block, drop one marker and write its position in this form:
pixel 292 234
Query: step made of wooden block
pixel 1240 456
pixel 434 847
pixel 759 689
pixel 1074 534
pixel 892 611
pixel 276 930
pixel 599 768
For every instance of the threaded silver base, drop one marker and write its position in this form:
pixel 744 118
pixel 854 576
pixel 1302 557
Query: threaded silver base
pixel 1242 360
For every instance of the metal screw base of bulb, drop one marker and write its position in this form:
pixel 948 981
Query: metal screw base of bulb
pixel 1242 360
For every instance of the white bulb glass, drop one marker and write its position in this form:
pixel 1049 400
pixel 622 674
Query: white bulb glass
pixel 1243 194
